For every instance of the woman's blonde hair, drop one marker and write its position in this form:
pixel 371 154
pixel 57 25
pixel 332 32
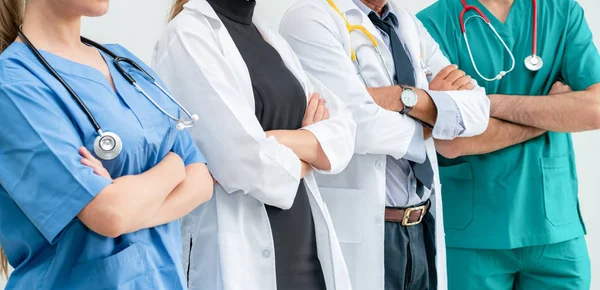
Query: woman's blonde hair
pixel 3 263
pixel 11 16
pixel 177 8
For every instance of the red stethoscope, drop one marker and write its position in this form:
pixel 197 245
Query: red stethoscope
pixel 533 62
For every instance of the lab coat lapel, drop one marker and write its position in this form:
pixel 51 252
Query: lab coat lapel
pixel 371 64
pixel 409 34
pixel 236 68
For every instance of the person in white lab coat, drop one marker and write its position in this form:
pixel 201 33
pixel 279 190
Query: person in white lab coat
pixel 267 226
pixel 385 205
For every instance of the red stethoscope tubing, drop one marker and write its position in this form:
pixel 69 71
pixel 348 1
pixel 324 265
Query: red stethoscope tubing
pixel 534 41
pixel 467 8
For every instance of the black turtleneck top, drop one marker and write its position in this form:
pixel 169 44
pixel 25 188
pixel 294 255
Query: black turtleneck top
pixel 280 104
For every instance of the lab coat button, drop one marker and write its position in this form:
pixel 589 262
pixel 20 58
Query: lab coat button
pixel 379 165
pixel 266 254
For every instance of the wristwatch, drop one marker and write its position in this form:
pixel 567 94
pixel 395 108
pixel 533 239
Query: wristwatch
pixel 409 99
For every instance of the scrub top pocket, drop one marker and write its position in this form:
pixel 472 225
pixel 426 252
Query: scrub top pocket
pixel 124 270
pixel 560 197
pixel 458 195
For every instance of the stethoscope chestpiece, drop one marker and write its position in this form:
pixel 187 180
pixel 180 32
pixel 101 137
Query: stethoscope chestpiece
pixel 108 145
pixel 534 63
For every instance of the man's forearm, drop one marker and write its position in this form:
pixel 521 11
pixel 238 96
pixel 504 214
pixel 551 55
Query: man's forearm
pixel 499 135
pixel 389 99
pixel 568 112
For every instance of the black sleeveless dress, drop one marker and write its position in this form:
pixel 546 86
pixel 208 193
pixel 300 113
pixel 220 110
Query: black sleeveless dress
pixel 280 104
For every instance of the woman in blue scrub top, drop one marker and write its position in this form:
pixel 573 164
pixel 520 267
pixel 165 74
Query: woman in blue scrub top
pixel 64 222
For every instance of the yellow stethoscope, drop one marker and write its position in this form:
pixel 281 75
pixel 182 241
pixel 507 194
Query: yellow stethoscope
pixel 374 46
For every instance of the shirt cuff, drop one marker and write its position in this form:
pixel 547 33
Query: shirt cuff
pixel 416 149
pixel 449 123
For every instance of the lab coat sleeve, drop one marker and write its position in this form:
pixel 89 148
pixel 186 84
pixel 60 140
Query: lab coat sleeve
pixel 313 34
pixel 581 63
pixel 239 155
pixel 336 135
pixel 474 105
pixel 40 167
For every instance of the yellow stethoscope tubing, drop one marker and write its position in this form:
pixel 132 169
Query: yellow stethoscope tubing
pixel 374 45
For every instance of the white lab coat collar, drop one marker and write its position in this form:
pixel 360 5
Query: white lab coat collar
pixel 354 15
pixel 201 6
pixel 407 33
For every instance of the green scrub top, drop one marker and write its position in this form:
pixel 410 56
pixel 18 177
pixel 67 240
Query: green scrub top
pixel 524 195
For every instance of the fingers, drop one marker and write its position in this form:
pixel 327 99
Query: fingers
pixel 88 163
pixel 445 72
pixel 463 83
pixel 455 76
pixel 467 87
pixel 326 114
pixel 311 109
pixel 88 155
pixel 320 111
pixel 97 168
pixel 559 88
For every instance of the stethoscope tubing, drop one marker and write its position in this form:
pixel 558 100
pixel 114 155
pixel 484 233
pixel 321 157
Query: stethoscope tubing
pixel 535 63
pixel 117 62
pixel 55 74
pixel 181 124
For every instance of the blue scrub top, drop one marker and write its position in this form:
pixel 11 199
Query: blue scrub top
pixel 44 186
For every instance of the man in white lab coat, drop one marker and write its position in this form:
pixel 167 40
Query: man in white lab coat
pixel 380 60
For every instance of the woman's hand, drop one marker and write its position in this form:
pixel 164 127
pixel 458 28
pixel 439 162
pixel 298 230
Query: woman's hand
pixel 91 161
pixel 316 111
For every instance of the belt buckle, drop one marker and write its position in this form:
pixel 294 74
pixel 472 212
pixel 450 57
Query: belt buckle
pixel 408 211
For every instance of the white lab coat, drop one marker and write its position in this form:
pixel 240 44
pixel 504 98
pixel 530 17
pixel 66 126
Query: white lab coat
pixel 356 197
pixel 228 242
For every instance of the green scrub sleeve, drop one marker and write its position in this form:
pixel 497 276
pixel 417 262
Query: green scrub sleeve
pixel 581 63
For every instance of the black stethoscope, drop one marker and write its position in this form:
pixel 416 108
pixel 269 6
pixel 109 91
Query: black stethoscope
pixel 108 145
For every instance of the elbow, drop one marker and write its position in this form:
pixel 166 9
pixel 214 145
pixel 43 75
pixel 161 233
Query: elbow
pixel 104 217
pixel 110 224
pixel 448 149
pixel 115 229
pixel 207 189
pixel 596 117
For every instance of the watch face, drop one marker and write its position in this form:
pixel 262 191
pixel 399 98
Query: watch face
pixel 409 98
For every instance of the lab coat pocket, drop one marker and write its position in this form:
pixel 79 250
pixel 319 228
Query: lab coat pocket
pixel 560 197
pixel 458 196
pixel 346 207
pixel 124 270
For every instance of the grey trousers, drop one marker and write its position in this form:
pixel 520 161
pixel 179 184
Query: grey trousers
pixel 410 256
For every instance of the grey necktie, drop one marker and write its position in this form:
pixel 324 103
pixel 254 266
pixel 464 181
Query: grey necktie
pixel 405 76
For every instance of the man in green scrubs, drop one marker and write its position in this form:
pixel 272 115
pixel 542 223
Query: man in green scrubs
pixel 511 209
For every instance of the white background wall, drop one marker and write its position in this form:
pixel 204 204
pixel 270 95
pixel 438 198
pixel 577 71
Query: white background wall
pixel 137 24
